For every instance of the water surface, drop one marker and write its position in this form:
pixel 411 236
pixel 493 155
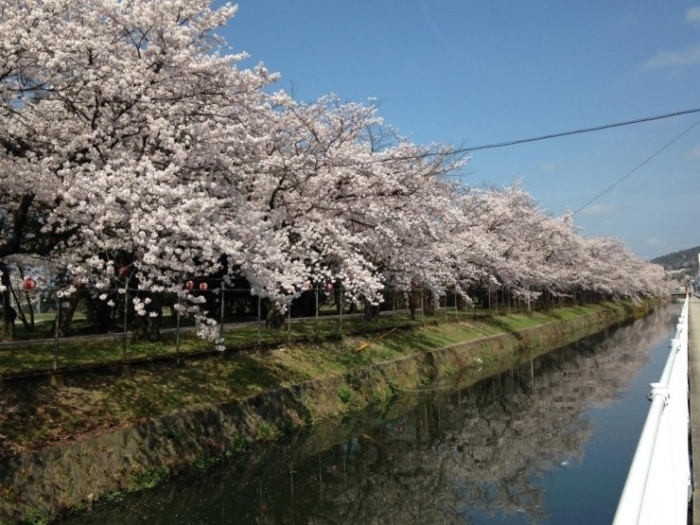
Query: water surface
pixel 547 443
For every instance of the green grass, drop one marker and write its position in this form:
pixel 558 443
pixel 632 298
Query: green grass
pixel 109 350
pixel 87 352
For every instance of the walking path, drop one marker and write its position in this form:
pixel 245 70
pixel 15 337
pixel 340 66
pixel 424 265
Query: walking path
pixel 694 366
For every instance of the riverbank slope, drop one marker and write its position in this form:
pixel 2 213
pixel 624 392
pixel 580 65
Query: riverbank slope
pixel 105 433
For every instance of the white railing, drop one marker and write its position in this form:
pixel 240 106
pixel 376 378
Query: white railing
pixel 658 486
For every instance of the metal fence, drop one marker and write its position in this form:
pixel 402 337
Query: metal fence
pixel 54 331
pixel 658 486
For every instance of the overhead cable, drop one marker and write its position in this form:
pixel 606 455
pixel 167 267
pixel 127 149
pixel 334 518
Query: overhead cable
pixel 618 181
pixel 575 132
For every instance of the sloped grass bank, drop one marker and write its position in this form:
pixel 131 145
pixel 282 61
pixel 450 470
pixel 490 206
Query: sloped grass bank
pixel 105 433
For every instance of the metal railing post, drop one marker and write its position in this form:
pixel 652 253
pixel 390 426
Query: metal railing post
pixel 633 494
pixel 647 496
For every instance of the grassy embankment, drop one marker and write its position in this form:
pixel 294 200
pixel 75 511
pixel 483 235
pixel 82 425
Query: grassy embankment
pixel 35 415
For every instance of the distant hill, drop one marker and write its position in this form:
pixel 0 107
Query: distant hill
pixel 683 260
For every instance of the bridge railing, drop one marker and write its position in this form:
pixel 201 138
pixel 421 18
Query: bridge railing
pixel 658 486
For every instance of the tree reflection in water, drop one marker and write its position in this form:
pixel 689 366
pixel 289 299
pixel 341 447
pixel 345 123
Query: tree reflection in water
pixel 485 448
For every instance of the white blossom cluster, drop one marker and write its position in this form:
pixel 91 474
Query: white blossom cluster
pixel 126 130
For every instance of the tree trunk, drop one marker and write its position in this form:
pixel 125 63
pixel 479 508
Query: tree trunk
pixel 413 302
pixel 461 302
pixel 274 319
pixel 428 302
pixel 371 311
pixel 100 315
pixel 68 307
pixel 7 327
pixel 147 327
pixel 17 296
pixel 338 296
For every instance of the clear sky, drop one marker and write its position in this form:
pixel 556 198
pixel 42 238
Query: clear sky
pixel 476 72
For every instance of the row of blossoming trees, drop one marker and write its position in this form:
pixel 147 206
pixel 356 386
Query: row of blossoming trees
pixel 130 139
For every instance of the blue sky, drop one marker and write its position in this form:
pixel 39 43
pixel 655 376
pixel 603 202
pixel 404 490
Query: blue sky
pixel 471 73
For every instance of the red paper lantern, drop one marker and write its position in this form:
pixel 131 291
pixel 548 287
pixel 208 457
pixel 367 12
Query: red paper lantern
pixel 203 286
pixel 189 285
pixel 123 271
pixel 77 282
pixel 29 283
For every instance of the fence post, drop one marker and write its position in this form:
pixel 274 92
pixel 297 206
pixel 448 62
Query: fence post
pixel 126 305
pixel 422 306
pixel 316 311
pixel 222 309
pixel 258 320
pixel 177 326
pixel 456 312
pixel 289 323
pixel 58 320
pixel 341 310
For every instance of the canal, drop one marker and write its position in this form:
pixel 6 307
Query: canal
pixel 547 443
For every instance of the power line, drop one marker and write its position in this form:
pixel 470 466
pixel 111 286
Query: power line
pixel 576 131
pixel 636 168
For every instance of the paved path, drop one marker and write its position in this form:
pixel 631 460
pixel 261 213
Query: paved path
pixel 694 364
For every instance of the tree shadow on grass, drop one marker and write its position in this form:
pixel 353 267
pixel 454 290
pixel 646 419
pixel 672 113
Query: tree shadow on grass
pixel 35 415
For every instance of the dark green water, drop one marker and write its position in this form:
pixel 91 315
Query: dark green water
pixel 547 443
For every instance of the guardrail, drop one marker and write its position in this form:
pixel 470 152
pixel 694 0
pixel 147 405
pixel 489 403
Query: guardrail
pixel 658 487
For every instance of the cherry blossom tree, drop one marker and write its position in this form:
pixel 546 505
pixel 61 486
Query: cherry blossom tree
pixel 122 124
pixel 134 151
